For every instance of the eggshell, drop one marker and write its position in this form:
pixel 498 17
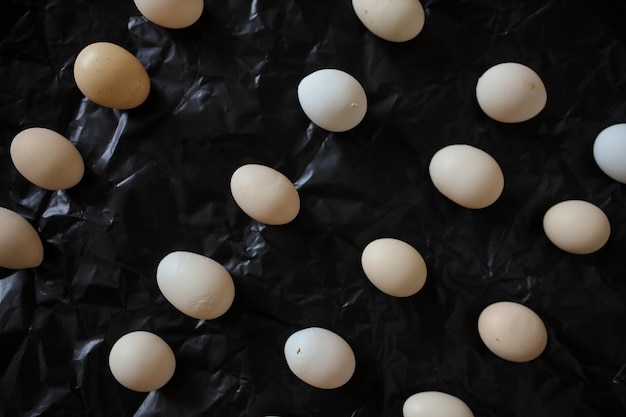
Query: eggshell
pixel 512 331
pixel 320 357
pixel 142 361
pixel 466 175
pixel 265 194
pixel 511 93
pixel 577 226
pixel 110 76
pixel 609 151
pixel 394 267
pixel 20 245
pixel 435 404
pixel 196 285
pixel 334 100
pixel 395 21
pixel 47 159
pixel 173 14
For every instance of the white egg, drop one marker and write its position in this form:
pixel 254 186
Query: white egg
pixel 435 404
pixel 395 21
pixel 466 175
pixel 320 357
pixel 173 14
pixel 196 285
pixel 332 99
pixel 609 152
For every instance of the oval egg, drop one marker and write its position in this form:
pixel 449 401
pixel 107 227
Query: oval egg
pixel 609 151
pixel 265 194
pixel 142 361
pixel 172 14
pixel 394 267
pixel 466 175
pixel 334 100
pixel 320 357
pixel 110 76
pixel 435 404
pixel 47 159
pixel 395 21
pixel 196 285
pixel 20 244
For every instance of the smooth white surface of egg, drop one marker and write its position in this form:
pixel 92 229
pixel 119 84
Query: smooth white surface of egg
pixel 395 21
pixel 435 404
pixel 609 151
pixel 173 14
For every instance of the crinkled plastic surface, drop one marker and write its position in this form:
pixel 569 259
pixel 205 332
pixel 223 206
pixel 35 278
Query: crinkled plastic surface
pixel 224 94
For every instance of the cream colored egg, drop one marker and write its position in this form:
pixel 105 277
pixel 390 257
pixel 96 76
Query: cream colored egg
pixel 196 285
pixel 173 14
pixel 511 93
pixel 394 267
pixel 435 404
pixel 265 194
pixel 47 159
pixel 512 331
pixel 142 361
pixel 320 357
pixel 395 21
pixel 467 175
pixel 110 76
pixel 577 226
pixel 20 245
pixel 334 100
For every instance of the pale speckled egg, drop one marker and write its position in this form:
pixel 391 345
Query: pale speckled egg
pixel 466 175
pixel 265 194
pixel 333 99
pixel 511 93
pixel 20 244
pixel 512 331
pixel 395 21
pixel 172 14
pixel 394 267
pixel 609 151
pixel 47 159
pixel 196 285
pixel 142 361
pixel 577 226
pixel 435 404
pixel 320 357
pixel 110 76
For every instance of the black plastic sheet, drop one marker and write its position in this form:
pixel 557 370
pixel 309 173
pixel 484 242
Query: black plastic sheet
pixel 224 94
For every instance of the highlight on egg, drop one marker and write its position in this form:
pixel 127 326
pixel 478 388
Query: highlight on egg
pixel 609 151
pixel 435 404
pixel 20 244
pixel 172 14
pixel 394 21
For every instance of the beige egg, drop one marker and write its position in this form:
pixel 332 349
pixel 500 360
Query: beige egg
pixel 511 93
pixel 577 226
pixel 394 267
pixel 466 175
pixel 173 14
pixel 142 361
pixel 110 76
pixel 47 159
pixel 265 194
pixel 395 21
pixel 195 284
pixel 435 404
pixel 20 245
pixel 512 331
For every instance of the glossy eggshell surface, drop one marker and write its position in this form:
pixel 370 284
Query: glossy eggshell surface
pixel 609 151
pixel 435 404
pixel 173 14
pixel 394 21
pixel 20 244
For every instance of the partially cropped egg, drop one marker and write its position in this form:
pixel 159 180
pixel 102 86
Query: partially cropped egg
pixel 435 404
pixel 395 21
pixel 20 244
pixel 609 151
pixel 173 14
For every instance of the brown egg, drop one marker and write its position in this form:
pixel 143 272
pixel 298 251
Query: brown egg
pixel 47 159
pixel 20 245
pixel 110 76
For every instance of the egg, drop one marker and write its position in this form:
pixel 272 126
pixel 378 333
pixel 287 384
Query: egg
pixel 320 357
pixel 466 175
pixel 173 14
pixel 435 404
pixel 110 76
pixel 265 194
pixel 334 100
pixel 609 151
pixel 395 21
pixel 511 93
pixel 394 267
pixel 512 331
pixel 47 159
pixel 196 285
pixel 142 361
pixel 577 226
pixel 20 244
